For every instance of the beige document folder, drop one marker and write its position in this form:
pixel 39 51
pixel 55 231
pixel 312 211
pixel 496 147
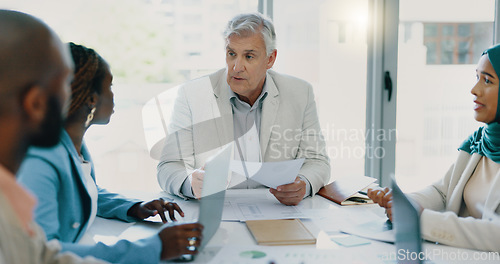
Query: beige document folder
pixel 280 232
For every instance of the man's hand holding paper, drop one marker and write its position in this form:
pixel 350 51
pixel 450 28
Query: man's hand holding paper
pixel 280 176
pixel 270 174
pixel 292 193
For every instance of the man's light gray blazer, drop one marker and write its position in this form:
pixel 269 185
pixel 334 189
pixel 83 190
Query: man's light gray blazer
pixel 202 123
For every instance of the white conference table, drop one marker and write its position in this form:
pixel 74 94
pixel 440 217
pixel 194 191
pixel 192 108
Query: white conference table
pixel 325 221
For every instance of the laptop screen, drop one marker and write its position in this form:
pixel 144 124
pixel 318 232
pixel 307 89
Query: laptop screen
pixel 406 223
pixel 213 192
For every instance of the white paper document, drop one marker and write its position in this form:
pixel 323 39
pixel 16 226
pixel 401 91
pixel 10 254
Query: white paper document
pixel 376 229
pixel 263 208
pixel 270 174
pixel 241 205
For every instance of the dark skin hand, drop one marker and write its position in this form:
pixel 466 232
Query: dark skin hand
pixel 175 240
pixel 383 197
pixel 159 206
pixel 290 194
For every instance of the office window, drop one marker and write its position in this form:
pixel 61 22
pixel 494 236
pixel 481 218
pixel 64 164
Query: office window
pixel 151 46
pixel 151 49
pixel 324 43
pixel 436 71
pixel 456 43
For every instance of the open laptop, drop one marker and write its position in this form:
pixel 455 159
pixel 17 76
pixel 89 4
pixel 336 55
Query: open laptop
pixel 406 222
pixel 214 190
pixel 213 193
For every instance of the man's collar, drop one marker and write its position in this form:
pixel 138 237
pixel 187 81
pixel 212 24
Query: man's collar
pixel 262 96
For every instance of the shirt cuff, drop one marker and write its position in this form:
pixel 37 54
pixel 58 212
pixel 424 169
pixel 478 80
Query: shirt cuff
pixel 186 189
pixel 308 185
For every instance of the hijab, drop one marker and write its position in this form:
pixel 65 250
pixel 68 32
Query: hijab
pixel 486 140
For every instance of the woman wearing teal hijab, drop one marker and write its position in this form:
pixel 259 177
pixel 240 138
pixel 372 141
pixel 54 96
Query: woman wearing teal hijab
pixel 463 208
pixel 486 140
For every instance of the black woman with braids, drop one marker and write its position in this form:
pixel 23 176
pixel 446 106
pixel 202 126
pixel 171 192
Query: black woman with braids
pixel 63 180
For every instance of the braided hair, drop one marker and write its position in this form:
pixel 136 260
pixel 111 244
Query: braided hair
pixel 88 77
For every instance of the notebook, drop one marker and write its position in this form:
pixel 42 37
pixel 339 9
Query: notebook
pixel 344 191
pixel 279 232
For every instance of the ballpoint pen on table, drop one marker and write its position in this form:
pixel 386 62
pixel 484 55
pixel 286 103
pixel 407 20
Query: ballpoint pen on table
pixel 357 199
pixel 363 193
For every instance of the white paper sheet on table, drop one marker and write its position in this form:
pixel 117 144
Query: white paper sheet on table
pixel 376 229
pixel 263 208
pixel 270 174
pixel 363 220
pixel 245 205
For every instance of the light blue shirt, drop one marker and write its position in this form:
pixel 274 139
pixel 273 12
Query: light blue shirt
pixel 244 118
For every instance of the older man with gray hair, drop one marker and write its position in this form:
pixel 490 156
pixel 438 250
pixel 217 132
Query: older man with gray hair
pixel 270 117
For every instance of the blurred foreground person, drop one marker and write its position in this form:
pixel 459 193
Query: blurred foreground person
pixel 35 73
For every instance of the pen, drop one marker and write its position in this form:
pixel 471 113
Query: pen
pixel 356 199
pixel 363 193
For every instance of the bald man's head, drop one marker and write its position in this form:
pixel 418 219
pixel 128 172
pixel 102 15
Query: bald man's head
pixel 30 54
pixel 35 76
